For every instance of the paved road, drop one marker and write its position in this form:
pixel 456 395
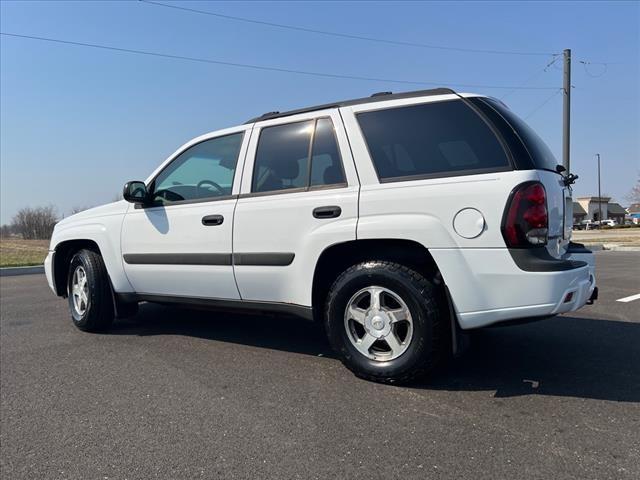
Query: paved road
pixel 181 394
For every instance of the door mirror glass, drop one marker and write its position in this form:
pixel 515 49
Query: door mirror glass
pixel 135 192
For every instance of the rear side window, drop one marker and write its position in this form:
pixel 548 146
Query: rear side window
pixel 292 156
pixel 282 157
pixel 326 165
pixel 430 140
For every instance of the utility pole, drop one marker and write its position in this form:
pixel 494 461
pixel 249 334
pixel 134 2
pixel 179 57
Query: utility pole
pixel 566 110
pixel 599 197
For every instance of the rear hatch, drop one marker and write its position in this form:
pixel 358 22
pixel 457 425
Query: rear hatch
pixel 539 157
pixel 560 211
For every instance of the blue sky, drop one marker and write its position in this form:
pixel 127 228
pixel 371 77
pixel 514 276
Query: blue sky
pixel 76 122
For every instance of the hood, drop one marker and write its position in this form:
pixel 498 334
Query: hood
pixel 115 208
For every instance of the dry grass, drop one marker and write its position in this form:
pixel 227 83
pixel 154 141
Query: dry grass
pixel 622 236
pixel 16 252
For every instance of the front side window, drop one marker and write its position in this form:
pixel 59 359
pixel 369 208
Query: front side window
pixel 205 170
pixel 297 155
pixel 432 139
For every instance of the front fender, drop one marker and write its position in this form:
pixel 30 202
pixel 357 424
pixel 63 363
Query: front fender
pixel 105 233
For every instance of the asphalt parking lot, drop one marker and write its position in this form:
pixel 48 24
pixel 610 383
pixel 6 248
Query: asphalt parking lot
pixel 184 394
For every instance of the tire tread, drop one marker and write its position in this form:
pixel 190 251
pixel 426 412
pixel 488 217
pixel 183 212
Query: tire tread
pixel 431 309
pixel 101 312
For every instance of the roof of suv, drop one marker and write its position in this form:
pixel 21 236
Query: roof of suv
pixel 376 97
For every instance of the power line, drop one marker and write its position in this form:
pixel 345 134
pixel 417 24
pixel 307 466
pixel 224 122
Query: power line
pixel 547 100
pixel 604 65
pixel 586 64
pixel 346 35
pixel 534 76
pixel 266 68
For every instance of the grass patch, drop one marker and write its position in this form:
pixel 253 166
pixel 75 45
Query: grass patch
pixel 16 252
pixel 623 236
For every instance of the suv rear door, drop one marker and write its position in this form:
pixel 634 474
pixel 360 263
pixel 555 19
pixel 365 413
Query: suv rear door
pixel 299 195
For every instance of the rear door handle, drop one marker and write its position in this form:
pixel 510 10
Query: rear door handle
pixel 210 220
pixel 327 212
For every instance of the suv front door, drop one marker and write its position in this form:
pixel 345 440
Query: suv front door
pixel 299 195
pixel 179 244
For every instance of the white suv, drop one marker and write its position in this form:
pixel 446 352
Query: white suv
pixel 397 220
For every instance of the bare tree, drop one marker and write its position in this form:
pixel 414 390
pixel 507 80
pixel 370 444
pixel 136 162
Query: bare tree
pixel 634 195
pixel 35 223
pixel 78 209
pixel 7 231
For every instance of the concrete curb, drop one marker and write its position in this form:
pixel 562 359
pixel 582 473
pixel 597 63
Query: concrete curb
pixel 11 271
pixel 612 247
pixel 622 248
pixel 594 247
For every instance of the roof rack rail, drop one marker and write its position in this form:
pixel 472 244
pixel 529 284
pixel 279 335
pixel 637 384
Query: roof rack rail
pixel 269 114
pixel 376 97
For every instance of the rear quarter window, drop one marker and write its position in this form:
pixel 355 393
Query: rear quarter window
pixel 431 140
pixel 538 150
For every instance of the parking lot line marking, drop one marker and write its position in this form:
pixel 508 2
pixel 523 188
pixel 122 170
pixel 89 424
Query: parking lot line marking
pixel 629 299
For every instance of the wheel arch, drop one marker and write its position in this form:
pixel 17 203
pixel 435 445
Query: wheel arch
pixel 338 257
pixel 63 253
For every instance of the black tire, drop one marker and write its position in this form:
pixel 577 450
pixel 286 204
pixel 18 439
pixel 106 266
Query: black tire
pixel 98 312
pixel 425 349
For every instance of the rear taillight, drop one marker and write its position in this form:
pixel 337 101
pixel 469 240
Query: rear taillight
pixel 525 222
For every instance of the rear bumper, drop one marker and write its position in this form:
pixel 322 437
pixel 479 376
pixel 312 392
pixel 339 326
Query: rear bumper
pixel 492 288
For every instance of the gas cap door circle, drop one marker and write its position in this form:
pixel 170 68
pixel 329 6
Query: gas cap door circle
pixel 469 223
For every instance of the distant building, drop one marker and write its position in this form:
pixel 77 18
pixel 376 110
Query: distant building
pixel 589 208
pixel 634 212
pixel 616 212
pixel 593 206
pixel 579 214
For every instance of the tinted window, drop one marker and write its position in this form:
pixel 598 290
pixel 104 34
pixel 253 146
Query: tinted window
pixel 430 139
pixel 326 165
pixel 282 157
pixel 202 171
pixel 538 150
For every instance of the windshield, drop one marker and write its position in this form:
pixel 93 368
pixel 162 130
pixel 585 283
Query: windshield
pixel 538 150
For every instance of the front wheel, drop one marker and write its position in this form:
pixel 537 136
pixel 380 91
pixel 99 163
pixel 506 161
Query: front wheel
pixel 384 321
pixel 89 292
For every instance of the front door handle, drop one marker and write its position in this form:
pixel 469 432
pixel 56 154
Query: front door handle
pixel 210 220
pixel 327 212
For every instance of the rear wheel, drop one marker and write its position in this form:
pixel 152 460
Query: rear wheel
pixel 384 321
pixel 89 292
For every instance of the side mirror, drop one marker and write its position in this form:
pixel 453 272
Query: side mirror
pixel 135 192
